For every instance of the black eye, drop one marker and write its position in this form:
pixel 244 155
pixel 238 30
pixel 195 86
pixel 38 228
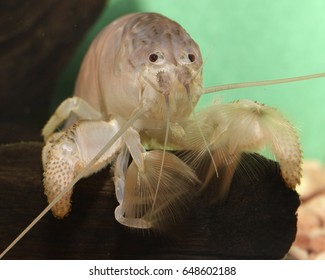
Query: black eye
pixel 153 57
pixel 191 57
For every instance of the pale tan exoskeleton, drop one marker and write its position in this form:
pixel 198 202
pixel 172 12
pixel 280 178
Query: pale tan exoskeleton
pixel 134 97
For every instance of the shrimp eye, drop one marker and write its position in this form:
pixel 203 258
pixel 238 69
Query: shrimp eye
pixel 153 57
pixel 191 57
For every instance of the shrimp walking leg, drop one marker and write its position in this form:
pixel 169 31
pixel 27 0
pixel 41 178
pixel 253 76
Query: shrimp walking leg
pixel 74 105
pixel 242 127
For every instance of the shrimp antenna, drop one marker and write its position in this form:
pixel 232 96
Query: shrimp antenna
pixel 136 114
pixel 163 154
pixel 261 83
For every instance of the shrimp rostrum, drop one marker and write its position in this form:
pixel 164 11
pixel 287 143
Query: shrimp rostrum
pixel 134 101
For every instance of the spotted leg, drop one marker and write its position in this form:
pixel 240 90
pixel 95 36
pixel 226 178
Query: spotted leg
pixel 68 153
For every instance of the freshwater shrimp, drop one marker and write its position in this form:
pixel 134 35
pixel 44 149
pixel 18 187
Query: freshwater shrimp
pixel 134 100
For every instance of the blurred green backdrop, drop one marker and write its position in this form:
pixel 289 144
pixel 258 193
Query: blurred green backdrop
pixel 245 40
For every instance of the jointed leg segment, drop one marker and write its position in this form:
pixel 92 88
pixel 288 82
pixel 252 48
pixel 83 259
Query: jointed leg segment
pixel 74 105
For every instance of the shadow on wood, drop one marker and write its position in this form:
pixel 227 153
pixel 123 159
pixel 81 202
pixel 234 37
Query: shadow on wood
pixel 257 221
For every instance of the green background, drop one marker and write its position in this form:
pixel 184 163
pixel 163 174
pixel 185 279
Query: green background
pixel 246 40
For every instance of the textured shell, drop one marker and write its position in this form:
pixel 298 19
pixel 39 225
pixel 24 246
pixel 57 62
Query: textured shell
pixel 116 68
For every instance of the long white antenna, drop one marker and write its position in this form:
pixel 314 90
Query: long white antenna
pixel 261 83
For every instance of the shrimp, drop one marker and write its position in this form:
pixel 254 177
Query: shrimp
pixel 134 101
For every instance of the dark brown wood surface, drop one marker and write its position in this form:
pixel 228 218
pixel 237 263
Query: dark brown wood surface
pixel 257 221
